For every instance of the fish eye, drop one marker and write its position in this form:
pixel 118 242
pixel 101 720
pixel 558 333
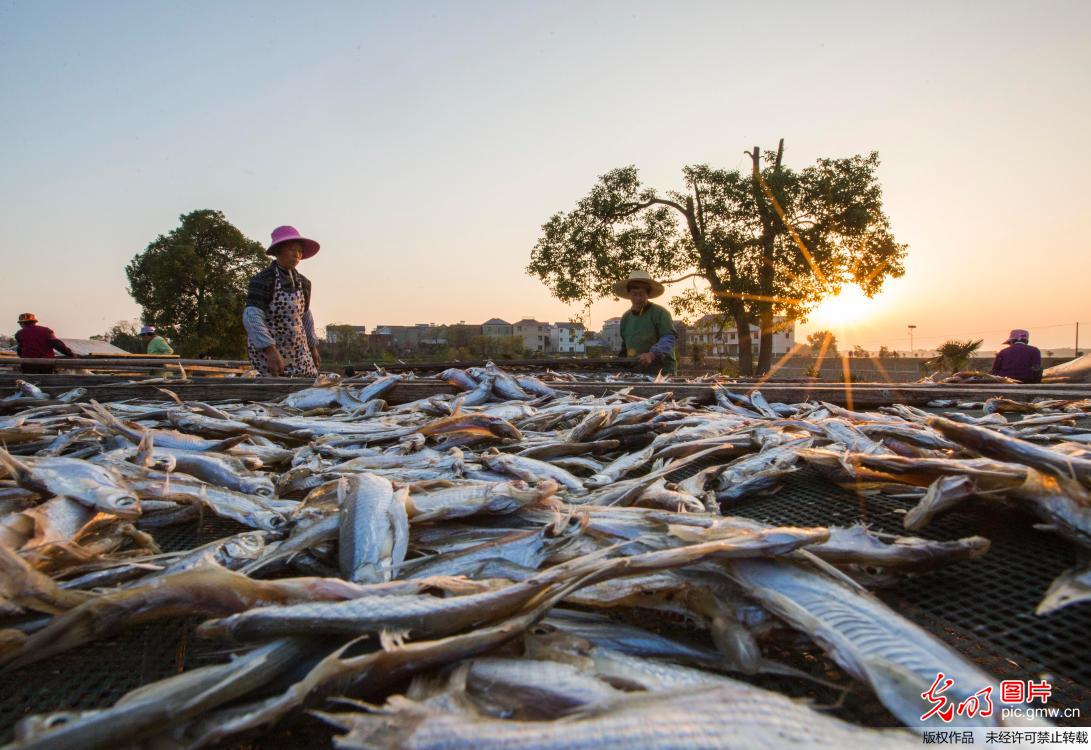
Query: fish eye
pixel 277 521
pixel 125 502
pixel 56 720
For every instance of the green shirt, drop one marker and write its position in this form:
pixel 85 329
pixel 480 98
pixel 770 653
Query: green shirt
pixel 158 345
pixel 641 331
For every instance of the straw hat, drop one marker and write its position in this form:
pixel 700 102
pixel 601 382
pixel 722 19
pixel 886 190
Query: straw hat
pixel 291 234
pixel 28 318
pixel 621 287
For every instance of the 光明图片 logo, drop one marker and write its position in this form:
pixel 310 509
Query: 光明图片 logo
pixel 1017 695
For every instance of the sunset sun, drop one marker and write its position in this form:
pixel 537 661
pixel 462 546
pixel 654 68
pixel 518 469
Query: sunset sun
pixel 848 307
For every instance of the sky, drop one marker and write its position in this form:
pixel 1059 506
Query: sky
pixel 424 144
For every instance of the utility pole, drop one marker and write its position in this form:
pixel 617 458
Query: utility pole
pixel 911 338
pixel 1077 349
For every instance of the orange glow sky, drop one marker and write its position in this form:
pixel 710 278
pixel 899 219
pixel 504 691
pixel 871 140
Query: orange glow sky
pixel 423 144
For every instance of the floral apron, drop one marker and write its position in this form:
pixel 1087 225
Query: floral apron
pixel 285 322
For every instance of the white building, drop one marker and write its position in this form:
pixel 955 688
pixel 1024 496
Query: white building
pixel 719 337
pixel 611 335
pixel 567 338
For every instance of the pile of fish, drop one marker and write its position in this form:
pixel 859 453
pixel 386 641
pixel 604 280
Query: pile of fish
pixel 967 377
pixel 496 555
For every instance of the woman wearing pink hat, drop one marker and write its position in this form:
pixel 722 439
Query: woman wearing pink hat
pixel 1020 361
pixel 279 326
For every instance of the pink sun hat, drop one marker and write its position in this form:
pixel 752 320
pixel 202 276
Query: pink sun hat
pixel 289 234
pixel 1018 334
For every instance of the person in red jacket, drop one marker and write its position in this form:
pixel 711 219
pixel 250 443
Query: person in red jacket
pixel 1019 361
pixel 33 340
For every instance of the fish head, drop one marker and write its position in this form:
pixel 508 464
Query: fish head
pixel 73 395
pixel 248 546
pixel 505 429
pixel 29 389
pixel 327 380
pixel 39 726
pixel 122 503
pixel 517 493
pixel 261 486
pixel 269 520
pixel 1070 587
pixel 493 458
pixel 164 463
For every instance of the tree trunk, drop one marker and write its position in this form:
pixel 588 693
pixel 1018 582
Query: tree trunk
pixel 746 348
pixel 765 353
pixel 734 305
pixel 768 269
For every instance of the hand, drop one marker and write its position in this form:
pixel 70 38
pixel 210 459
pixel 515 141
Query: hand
pixel 317 359
pixel 274 361
pixel 646 359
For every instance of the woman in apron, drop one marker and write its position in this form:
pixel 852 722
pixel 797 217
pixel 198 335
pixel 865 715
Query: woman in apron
pixel 280 329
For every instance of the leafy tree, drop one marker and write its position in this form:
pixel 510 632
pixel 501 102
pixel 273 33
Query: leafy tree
pixel 697 354
pixel 191 284
pixel 822 340
pixel 459 334
pixel 495 347
pixel 859 352
pixel 771 241
pixel 952 356
pixel 885 353
pixel 348 347
pixel 124 335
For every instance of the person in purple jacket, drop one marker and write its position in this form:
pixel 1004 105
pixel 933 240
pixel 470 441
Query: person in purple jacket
pixel 1019 361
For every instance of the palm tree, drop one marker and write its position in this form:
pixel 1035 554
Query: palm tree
pixel 952 356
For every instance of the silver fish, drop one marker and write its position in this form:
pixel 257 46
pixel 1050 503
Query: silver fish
pixel 94 486
pixel 533 385
pixel 374 530
pixel 618 468
pixel 219 469
pixel 481 393
pixel 458 378
pixel 374 389
pixel 29 390
pixel 471 498
pixel 153 708
pixel 246 509
pixel 1071 587
pixel 72 396
pixel 532 688
pixel 994 445
pixel 430 616
pixel 531 469
pixel 943 494
pixel 896 657
pixel 505 385
pixel 705 717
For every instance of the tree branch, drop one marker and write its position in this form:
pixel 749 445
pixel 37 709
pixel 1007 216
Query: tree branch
pixel 698 274
pixel 628 209
pixel 700 208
